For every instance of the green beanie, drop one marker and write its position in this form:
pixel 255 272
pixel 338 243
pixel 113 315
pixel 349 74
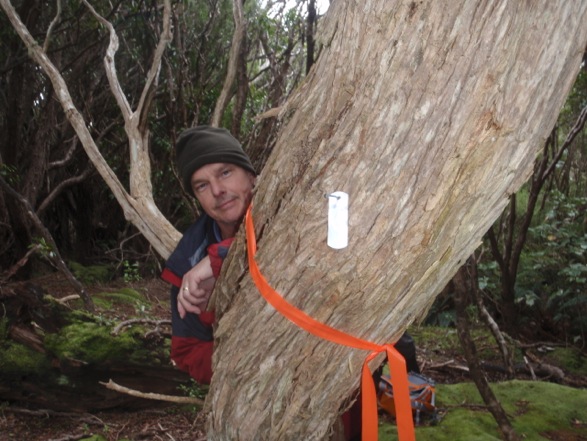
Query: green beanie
pixel 204 145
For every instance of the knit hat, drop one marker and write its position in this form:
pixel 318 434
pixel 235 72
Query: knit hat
pixel 204 145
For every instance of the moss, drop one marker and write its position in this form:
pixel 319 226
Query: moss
pixel 17 361
pixel 93 343
pixel 436 337
pixel 441 339
pixel 91 274
pixel 534 407
pixel 129 296
pixel 572 359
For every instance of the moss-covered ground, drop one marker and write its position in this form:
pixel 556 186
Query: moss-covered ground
pixel 538 410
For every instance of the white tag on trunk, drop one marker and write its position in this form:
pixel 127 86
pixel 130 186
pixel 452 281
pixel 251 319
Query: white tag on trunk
pixel 338 220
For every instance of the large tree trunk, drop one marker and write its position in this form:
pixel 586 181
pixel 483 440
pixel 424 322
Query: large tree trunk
pixel 429 116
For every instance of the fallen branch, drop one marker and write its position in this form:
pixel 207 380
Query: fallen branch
pixel 541 345
pixel 131 322
pixel 66 299
pixel 529 366
pixel 151 396
pixel 546 369
pixel 441 365
pixel 71 437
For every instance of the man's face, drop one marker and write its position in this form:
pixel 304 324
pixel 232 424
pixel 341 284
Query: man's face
pixel 224 192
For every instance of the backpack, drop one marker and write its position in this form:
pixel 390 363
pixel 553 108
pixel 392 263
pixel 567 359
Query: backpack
pixel 422 395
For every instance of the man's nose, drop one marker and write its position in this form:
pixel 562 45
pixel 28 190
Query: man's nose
pixel 217 188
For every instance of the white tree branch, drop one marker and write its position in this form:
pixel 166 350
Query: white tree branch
pixel 110 65
pixel 237 39
pixel 153 75
pixel 51 26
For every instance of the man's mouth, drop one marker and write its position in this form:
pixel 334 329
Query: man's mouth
pixel 225 204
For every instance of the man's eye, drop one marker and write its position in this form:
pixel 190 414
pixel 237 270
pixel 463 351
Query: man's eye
pixel 200 187
pixel 226 172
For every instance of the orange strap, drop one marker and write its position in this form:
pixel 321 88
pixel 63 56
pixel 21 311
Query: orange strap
pixel 397 364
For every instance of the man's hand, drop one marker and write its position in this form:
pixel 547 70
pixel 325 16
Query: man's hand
pixel 196 287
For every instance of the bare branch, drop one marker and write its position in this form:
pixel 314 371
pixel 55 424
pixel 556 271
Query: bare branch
pixel 62 186
pixel 68 155
pixel 577 128
pixel 153 75
pixel 151 396
pixel 22 262
pixel 64 300
pixel 110 67
pixel 140 210
pixel 60 87
pixel 237 39
pixel 51 26
pixel 131 322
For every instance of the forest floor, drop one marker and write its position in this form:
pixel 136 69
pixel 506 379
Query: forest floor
pixel 157 420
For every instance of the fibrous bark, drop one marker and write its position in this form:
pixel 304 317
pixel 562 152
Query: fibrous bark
pixel 429 115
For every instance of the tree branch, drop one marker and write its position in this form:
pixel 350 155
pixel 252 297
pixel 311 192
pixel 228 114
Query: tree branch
pixel 131 322
pixel 577 128
pixel 51 26
pixel 237 38
pixel 62 186
pixel 153 75
pixel 463 287
pixel 110 66
pixel 488 319
pixel 65 160
pixel 61 90
pixel 151 396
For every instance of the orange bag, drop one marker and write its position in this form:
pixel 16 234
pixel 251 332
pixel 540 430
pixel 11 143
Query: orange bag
pixel 422 395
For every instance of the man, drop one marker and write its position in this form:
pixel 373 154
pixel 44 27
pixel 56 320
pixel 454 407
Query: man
pixel 215 169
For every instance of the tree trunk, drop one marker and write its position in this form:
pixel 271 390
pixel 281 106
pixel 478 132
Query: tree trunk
pixel 429 116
